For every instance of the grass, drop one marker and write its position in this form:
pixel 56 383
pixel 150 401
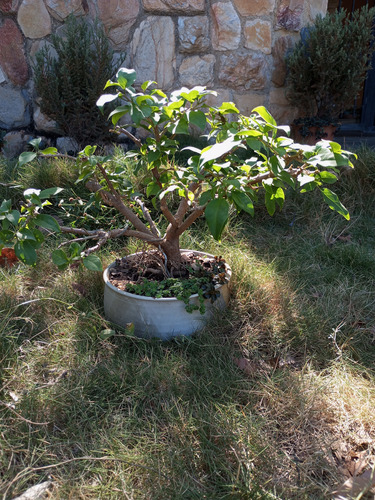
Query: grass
pixel 274 399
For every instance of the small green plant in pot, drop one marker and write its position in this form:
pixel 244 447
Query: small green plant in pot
pixel 327 68
pixel 247 159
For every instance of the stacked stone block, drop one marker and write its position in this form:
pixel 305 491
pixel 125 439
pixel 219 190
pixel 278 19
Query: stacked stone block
pixel 236 47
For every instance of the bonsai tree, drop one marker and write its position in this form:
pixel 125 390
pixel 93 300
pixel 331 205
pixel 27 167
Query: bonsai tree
pixel 246 159
pixel 327 67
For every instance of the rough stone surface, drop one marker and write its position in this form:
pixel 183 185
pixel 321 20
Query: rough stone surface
pixel 12 57
pixel 193 34
pixel 243 71
pixel 314 8
pixel 226 27
pixel 2 76
pixel 173 6
pixel 280 108
pixel 149 61
pixel 254 7
pixel 60 9
pixel 13 109
pixel 223 95
pixel 258 36
pixel 197 70
pixel 37 492
pixel 39 45
pixel 289 15
pixel 67 145
pixel 33 18
pixel 9 6
pixel 43 123
pixel 247 102
pixel 118 17
pixel 15 143
pixel 279 51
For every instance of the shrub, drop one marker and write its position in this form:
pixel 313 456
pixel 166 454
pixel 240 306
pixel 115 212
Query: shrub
pixel 327 67
pixel 70 84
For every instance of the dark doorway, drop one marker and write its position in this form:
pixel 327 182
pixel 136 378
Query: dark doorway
pixel 361 117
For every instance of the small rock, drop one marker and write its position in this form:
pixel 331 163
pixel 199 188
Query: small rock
pixel 15 143
pixel 37 492
pixel 67 145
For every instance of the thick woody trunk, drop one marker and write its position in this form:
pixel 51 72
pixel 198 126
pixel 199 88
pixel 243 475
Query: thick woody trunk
pixel 171 248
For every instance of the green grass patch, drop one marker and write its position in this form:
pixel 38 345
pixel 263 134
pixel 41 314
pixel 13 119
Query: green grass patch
pixel 271 400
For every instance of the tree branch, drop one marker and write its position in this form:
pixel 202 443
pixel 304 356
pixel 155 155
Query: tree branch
pixel 197 212
pixel 128 134
pixel 117 203
pixel 147 216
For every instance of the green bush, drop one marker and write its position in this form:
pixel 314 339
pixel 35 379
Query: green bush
pixel 70 84
pixel 327 67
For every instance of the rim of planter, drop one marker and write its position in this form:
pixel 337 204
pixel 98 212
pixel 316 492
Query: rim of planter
pixel 228 272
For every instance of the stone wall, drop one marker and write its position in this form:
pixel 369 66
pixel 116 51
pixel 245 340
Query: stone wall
pixel 234 46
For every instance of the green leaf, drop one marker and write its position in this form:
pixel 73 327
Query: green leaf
pixel 26 157
pixel 267 117
pixel 218 150
pixel 243 202
pixel 49 151
pixel 168 190
pixel 152 189
pixel 107 333
pixel 126 77
pixel 327 177
pixel 46 193
pixel 228 107
pixel 60 259
pixel 198 118
pixel 119 112
pixel 105 99
pixel 36 142
pixel 270 203
pixel 48 222
pixel 334 203
pixel 93 263
pixel 25 251
pixel 13 217
pixel 217 213
pixel 206 197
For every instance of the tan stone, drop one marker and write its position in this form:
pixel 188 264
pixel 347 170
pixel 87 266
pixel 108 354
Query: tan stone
pixel 118 17
pixel 33 18
pixel 280 107
pixel 278 97
pixel 173 6
pixel 247 102
pixel 193 34
pixel 153 51
pixel 43 123
pixel 314 8
pixel 223 95
pixel 243 71
pixel 254 7
pixel 60 9
pixel 258 36
pixel 12 57
pixel 279 51
pixel 226 27
pixel 197 70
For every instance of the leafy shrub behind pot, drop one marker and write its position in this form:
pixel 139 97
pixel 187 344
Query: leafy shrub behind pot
pixel 327 67
pixel 70 83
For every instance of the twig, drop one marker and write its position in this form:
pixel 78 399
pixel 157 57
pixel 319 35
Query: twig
pixel 21 417
pixel 147 216
pixel 136 141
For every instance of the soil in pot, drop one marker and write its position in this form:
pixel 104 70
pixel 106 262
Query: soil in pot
pixel 161 303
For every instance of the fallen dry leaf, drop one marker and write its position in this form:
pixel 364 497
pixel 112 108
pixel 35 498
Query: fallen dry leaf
pixel 355 486
pixel 77 287
pixel 247 366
